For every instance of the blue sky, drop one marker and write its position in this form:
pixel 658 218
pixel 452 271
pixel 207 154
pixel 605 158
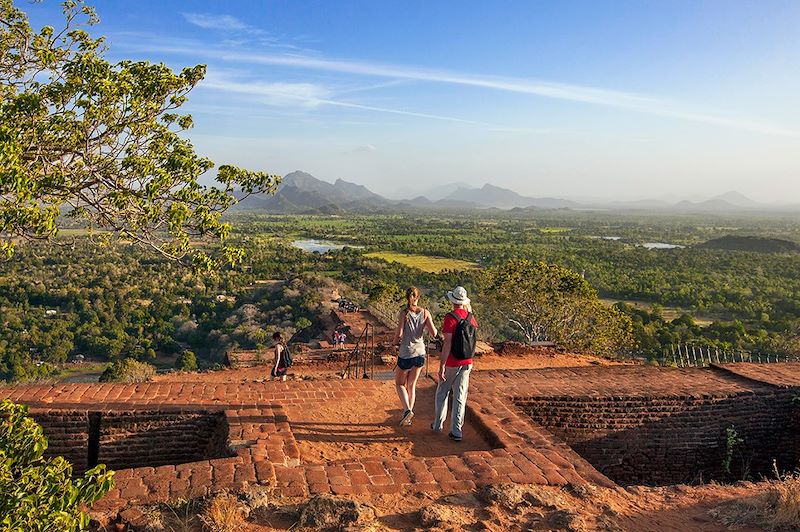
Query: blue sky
pixel 575 99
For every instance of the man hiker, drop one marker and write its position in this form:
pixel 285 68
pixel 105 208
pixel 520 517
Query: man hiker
pixel 460 331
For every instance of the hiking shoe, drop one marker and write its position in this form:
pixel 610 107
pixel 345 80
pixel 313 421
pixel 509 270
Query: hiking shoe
pixel 407 417
pixel 454 437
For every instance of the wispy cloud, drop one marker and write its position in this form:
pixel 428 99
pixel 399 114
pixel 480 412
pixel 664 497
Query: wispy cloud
pixel 364 148
pixel 239 33
pixel 311 96
pixel 631 101
pixel 216 22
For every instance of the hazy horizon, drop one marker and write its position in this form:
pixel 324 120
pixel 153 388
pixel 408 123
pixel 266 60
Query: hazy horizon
pixel 598 99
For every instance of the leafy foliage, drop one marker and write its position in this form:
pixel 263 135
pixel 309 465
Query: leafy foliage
pixel 186 361
pixel 548 302
pixel 128 370
pixel 40 494
pixel 103 140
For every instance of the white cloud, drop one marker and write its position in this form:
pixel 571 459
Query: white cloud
pixel 311 96
pixel 216 22
pixel 631 101
pixel 364 148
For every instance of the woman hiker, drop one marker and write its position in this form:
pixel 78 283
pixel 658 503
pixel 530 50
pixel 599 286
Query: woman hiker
pixel 279 367
pixel 411 325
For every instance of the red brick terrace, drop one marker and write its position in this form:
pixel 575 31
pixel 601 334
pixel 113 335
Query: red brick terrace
pixel 540 427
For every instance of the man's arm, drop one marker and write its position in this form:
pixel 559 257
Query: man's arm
pixel 448 343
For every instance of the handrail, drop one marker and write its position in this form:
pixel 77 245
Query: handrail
pixel 363 355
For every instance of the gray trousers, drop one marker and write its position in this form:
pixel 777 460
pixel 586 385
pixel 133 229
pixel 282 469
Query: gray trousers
pixel 457 380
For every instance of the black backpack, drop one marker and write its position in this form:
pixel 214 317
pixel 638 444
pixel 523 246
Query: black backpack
pixel 286 354
pixel 464 338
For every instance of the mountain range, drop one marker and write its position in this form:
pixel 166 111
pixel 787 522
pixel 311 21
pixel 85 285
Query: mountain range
pixel 301 192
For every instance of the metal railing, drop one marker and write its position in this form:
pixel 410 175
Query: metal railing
pixel 361 361
pixel 688 355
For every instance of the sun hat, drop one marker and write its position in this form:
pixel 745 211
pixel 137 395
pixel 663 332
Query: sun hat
pixel 458 296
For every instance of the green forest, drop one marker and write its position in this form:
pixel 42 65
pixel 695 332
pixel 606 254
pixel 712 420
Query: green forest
pixel 81 294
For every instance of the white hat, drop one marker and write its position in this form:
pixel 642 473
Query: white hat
pixel 458 296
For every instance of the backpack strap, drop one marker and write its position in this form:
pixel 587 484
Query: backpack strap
pixel 460 320
pixel 455 316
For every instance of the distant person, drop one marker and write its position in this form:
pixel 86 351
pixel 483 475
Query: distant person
pixel 460 332
pixel 282 358
pixel 341 338
pixel 411 325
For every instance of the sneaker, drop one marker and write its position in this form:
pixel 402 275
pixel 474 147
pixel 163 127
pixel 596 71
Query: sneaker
pixel 407 417
pixel 454 437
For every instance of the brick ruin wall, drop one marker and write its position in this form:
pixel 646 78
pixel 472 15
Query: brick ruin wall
pixel 670 440
pixel 136 439
pixel 124 440
pixel 67 435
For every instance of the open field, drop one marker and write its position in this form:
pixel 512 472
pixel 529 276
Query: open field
pixel 668 313
pixel 424 262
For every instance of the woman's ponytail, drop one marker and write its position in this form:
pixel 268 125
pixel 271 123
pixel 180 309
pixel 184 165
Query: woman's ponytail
pixel 412 296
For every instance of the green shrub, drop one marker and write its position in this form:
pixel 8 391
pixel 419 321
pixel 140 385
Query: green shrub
pixel 128 370
pixel 39 494
pixel 186 361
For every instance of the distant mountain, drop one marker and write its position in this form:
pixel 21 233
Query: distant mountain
pixel 751 243
pixel 737 199
pixel 729 202
pixel 440 192
pixel 301 192
pixel 503 198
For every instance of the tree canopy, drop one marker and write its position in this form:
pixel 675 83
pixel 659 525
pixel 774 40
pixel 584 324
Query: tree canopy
pixel 548 302
pixel 102 142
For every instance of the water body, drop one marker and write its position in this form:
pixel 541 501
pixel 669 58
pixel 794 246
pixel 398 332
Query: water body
pixel 318 246
pixel 661 245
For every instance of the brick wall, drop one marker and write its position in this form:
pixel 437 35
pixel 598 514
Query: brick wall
pixel 666 440
pixel 136 439
pixel 67 434
pixel 123 440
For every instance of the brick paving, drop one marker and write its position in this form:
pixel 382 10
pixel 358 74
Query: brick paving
pixel 782 374
pixel 260 437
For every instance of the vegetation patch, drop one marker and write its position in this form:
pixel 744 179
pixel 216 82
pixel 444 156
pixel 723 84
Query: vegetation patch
pixel 777 509
pixel 128 370
pixel 751 243
pixel 424 262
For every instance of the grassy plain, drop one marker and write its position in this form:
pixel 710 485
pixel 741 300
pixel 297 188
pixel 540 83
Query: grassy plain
pixel 424 262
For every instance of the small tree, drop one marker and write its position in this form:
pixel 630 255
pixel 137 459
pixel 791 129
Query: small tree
pixel 38 493
pixel 128 370
pixel 102 142
pixel 186 361
pixel 544 301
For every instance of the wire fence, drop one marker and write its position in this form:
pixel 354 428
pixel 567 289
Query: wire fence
pixel 691 355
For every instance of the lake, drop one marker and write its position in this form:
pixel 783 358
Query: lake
pixel 319 246
pixel 661 245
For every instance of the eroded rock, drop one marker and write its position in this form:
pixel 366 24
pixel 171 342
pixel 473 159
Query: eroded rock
pixel 327 511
